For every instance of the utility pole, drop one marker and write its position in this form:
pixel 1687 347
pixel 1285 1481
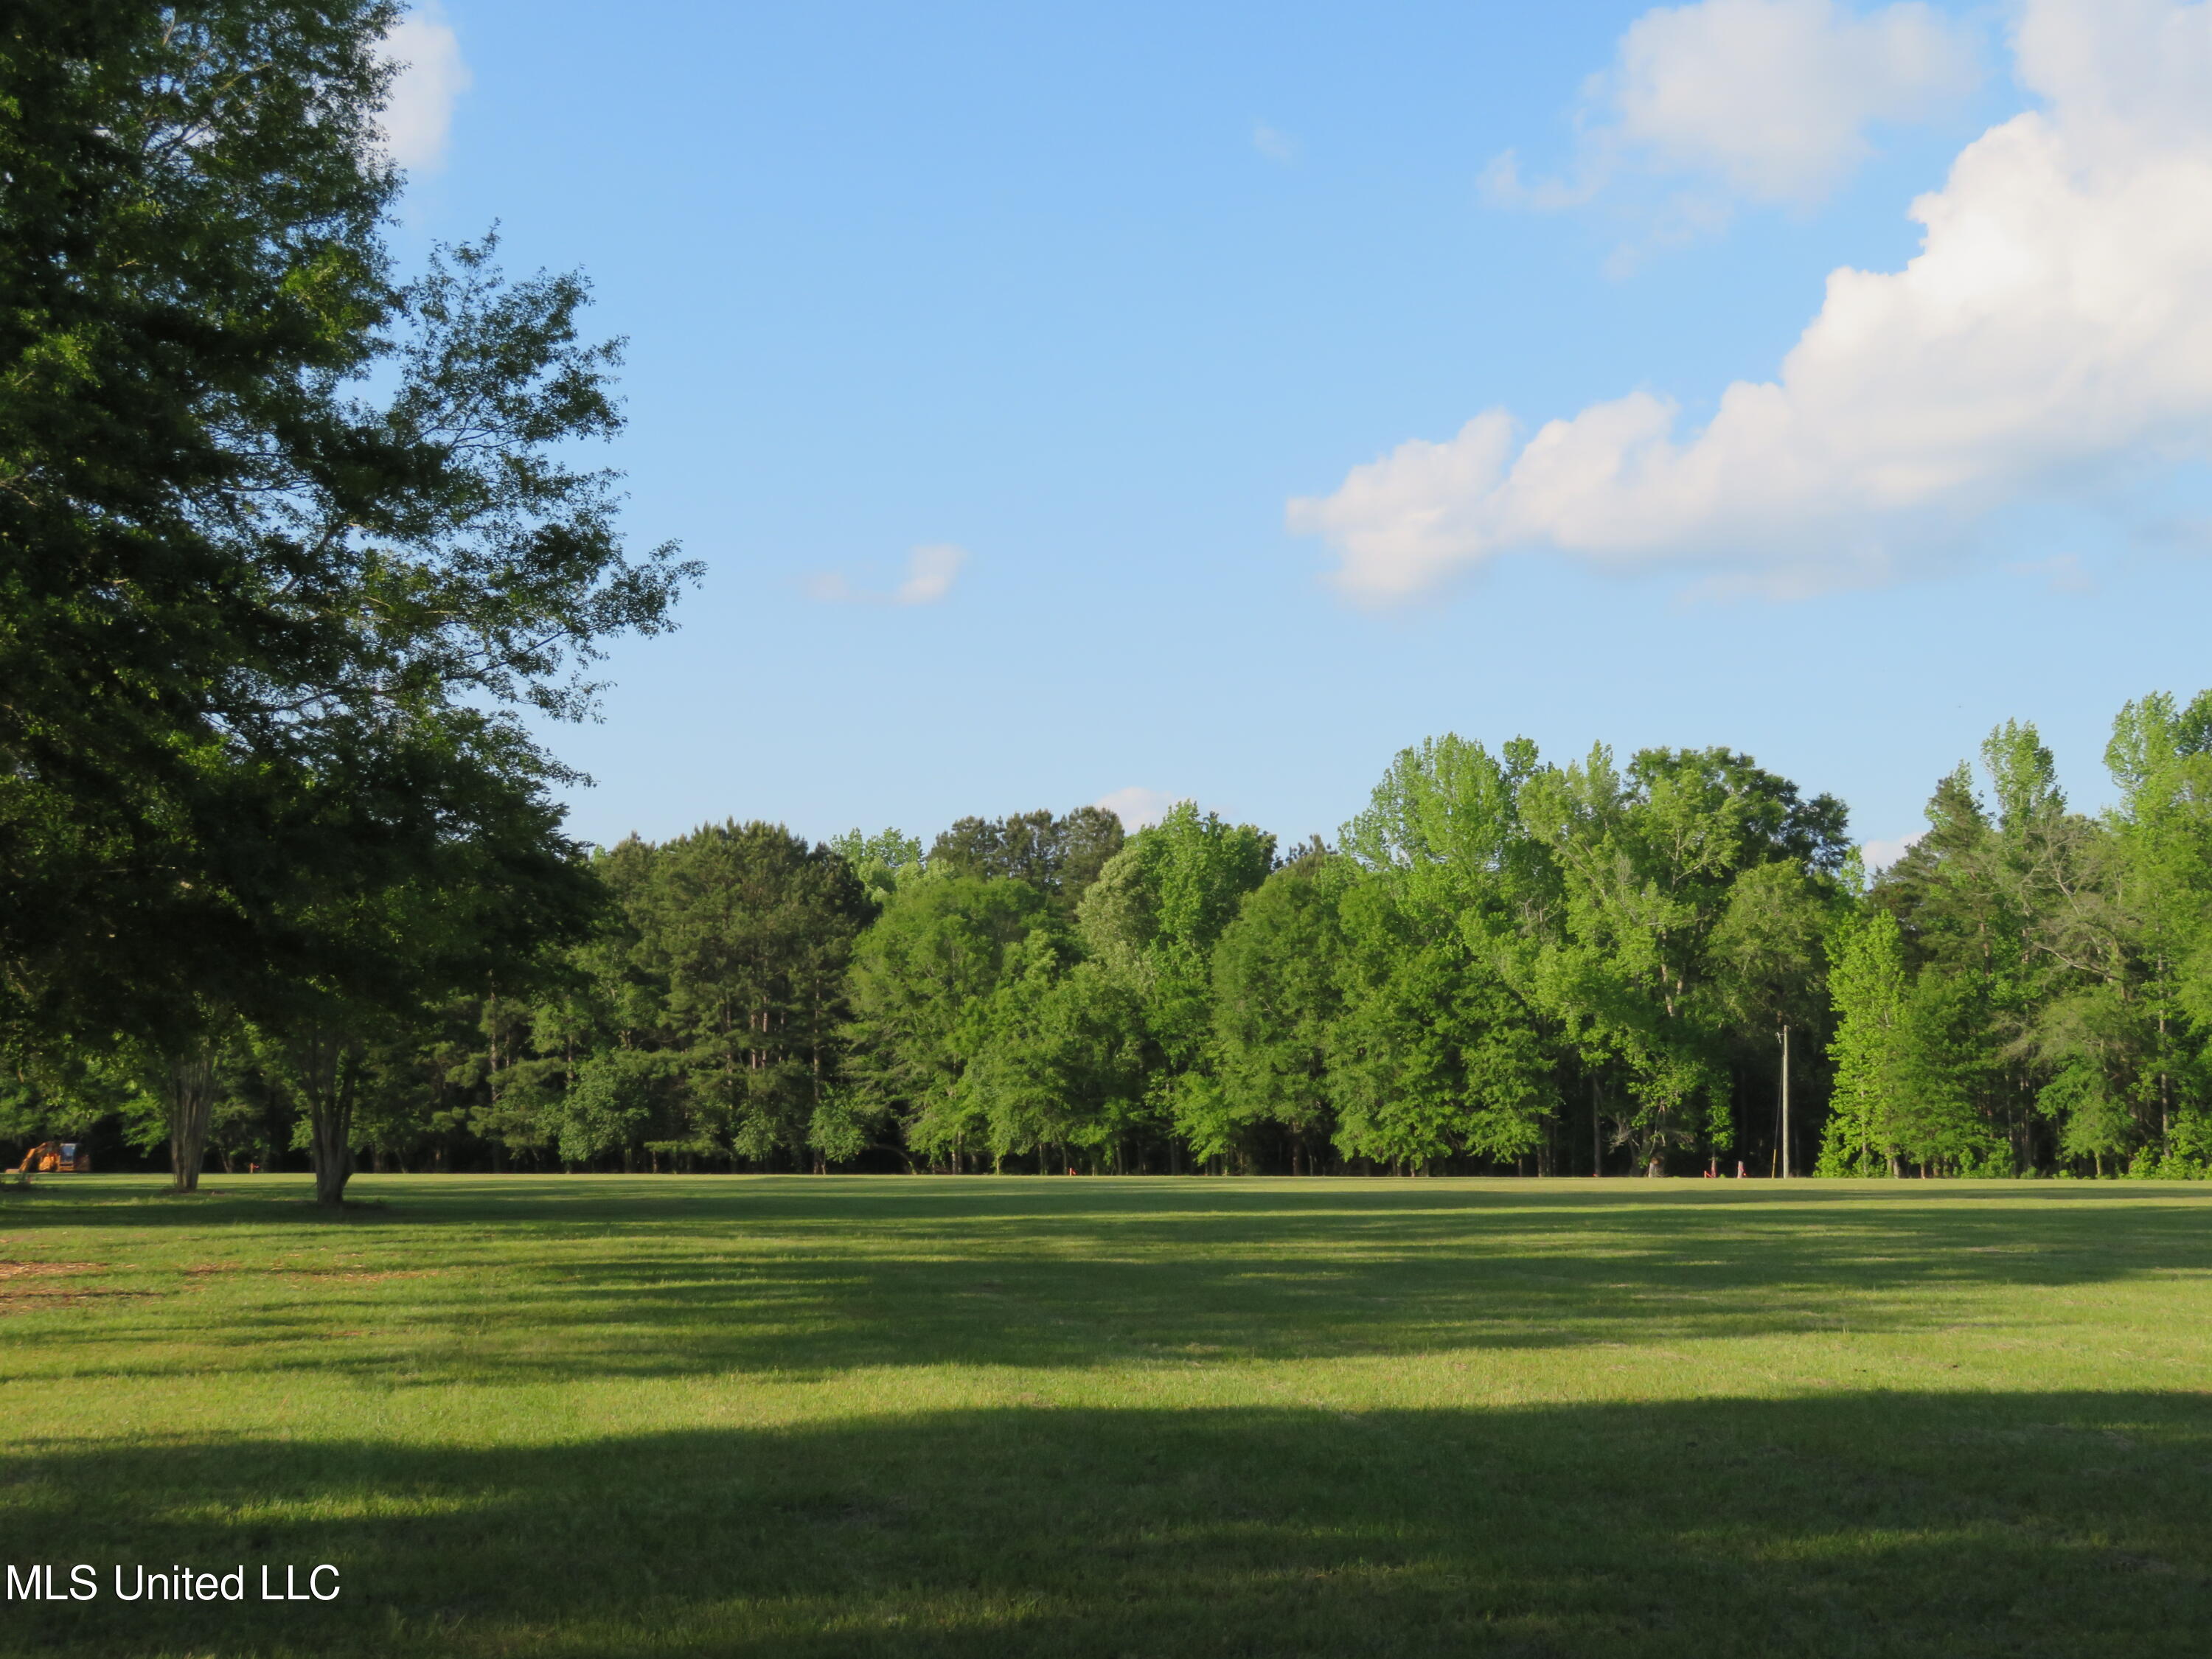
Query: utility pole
pixel 1785 1102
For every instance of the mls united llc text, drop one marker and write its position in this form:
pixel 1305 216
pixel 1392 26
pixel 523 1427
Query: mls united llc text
pixel 81 1583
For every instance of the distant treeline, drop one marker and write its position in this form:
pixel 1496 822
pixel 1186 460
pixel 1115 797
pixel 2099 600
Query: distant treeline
pixel 1501 966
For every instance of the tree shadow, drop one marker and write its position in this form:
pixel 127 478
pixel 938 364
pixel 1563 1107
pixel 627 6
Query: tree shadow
pixel 801 1278
pixel 599 1200
pixel 1858 1524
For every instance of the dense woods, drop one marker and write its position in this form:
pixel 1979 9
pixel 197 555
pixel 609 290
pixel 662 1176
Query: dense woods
pixel 1501 966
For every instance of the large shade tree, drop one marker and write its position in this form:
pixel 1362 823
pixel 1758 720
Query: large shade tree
pixel 274 525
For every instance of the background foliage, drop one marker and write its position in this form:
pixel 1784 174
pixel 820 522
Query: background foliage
pixel 1503 964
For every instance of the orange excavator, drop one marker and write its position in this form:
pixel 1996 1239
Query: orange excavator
pixel 56 1157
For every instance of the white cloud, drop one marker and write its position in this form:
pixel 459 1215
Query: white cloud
pixel 930 572
pixel 419 116
pixel 1137 806
pixel 1771 98
pixel 2053 326
pixel 1775 95
pixel 1274 145
pixel 1880 855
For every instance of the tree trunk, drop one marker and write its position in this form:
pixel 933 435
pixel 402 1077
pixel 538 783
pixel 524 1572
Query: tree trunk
pixel 188 1088
pixel 330 1128
pixel 328 1067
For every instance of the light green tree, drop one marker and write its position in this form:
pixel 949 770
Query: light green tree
pixel 1151 921
pixel 1867 979
pixel 1645 963
pixel 1277 999
pixel 919 987
pixel 881 861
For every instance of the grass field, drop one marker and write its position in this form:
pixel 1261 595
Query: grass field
pixel 792 1416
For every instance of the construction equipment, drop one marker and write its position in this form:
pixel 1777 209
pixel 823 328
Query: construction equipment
pixel 56 1157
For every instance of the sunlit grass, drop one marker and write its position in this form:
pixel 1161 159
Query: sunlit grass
pixel 1085 1416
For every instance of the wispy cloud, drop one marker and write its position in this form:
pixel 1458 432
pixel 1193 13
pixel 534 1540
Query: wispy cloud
pixel 931 570
pixel 418 118
pixel 1137 806
pixel 2052 329
pixel 1502 186
pixel 1880 855
pixel 1275 145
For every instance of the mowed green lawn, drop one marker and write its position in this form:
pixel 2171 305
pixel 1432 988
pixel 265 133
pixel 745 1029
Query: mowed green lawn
pixel 1075 1417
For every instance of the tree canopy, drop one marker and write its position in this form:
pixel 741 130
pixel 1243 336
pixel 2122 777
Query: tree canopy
pixel 286 542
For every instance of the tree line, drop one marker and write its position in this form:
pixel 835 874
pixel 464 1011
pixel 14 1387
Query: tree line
pixel 1501 966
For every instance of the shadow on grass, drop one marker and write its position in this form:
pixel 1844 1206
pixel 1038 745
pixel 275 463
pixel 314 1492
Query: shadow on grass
pixel 1863 1524
pixel 555 1201
pixel 552 1281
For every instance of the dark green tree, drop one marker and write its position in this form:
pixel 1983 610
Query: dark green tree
pixel 473 885
pixel 1061 857
pixel 754 931
pixel 234 585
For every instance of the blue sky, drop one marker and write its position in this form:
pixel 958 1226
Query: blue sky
pixel 1093 296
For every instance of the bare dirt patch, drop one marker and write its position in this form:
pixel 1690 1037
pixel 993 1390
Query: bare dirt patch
pixel 18 1294
pixel 48 1269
